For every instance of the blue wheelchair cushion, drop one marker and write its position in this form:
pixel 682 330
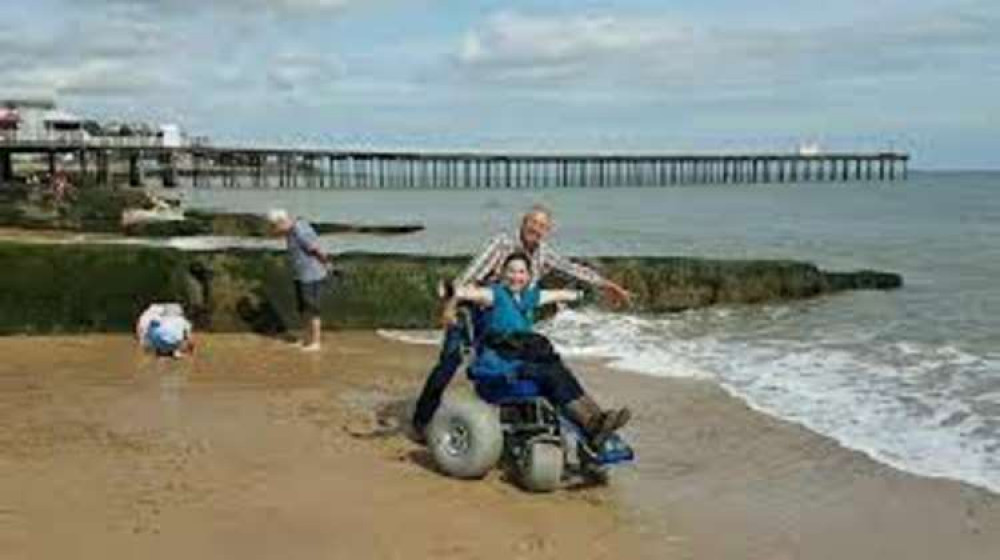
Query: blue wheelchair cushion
pixel 496 378
pixel 500 391
pixel 491 366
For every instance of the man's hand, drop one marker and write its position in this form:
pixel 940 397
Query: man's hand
pixel 616 295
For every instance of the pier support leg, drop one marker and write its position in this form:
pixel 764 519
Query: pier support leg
pixel 6 168
pixel 168 171
pixel 82 154
pixel 134 173
pixel 259 162
pixel 103 159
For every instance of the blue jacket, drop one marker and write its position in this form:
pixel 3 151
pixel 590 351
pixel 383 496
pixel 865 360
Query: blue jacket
pixel 508 315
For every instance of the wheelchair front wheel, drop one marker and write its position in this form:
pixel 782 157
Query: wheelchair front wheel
pixel 465 438
pixel 540 468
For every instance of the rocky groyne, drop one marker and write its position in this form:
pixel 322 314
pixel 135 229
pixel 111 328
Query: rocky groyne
pixel 94 287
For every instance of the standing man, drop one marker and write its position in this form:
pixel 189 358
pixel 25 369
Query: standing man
pixel 309 264
pixel 529 239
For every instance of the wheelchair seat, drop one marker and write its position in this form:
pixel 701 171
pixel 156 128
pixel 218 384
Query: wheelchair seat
pixel 496 378
pixel 503 391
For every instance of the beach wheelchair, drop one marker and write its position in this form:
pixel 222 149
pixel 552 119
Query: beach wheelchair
pixel 510 423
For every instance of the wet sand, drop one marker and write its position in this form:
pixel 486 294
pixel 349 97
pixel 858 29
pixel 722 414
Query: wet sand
pixel 717 480
pixel 254 450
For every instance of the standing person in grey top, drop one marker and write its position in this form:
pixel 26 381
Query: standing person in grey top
pixel 310 267
pixel 530 239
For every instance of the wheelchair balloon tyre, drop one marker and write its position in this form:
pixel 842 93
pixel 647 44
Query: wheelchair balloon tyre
pixel 540 467
pixel 465 438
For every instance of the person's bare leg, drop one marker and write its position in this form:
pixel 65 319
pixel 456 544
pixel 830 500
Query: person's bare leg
pixel 317 330
pixel 313 329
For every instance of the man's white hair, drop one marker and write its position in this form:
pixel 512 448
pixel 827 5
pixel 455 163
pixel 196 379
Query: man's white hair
pixel 277 216
pixel 539 210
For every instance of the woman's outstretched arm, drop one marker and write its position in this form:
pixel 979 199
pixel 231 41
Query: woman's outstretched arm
pixel 474 294
pixel 559 296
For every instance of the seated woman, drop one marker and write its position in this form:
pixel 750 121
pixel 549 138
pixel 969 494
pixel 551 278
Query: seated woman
pixel 509 338
pixel 163 330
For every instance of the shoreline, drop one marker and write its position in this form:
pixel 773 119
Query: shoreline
pixel 252 442
pixel 730 481
pixel 873 455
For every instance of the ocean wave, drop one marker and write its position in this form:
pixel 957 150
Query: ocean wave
pixel 908 404
pixel 422 337
pixel 928 409
pixel 923 408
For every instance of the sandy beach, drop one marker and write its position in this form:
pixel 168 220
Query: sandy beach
pixel 252 449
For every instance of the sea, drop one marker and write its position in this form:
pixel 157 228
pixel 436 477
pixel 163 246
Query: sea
pixel 910 377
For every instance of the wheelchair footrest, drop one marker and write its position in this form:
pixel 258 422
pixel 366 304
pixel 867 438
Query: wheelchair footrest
pixel 614 451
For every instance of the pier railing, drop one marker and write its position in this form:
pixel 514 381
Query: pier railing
pixel 220 167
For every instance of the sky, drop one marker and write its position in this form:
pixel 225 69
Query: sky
pixel 651 76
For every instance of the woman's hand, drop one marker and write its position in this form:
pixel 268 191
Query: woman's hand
pixel 446 289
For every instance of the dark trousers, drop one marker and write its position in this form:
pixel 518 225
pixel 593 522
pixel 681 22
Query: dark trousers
pixel 541 364
pixel 448 363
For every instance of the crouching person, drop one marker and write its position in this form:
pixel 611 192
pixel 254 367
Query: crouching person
pixel 163 330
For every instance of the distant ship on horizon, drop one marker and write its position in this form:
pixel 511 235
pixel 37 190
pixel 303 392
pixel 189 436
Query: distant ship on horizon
pixel 808 149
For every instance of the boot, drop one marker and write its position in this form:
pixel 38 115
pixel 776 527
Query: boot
pixel 596 423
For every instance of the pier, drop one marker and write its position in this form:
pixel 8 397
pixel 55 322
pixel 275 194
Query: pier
pixel 252 168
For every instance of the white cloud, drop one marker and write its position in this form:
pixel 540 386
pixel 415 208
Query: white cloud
pixel 128 49
pixel 94 77
pixel 242 7
pixel 308 4
pixel 86 55
pixel 523 46
pixel 633 52
pixel 304 72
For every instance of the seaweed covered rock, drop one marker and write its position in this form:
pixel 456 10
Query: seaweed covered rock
pixel 139 214
pixel 58 288
pixel 77 288
pixel 88 210
pixel 676 283
pixel 235 224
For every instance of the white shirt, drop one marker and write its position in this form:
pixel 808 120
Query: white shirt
pixel 171 325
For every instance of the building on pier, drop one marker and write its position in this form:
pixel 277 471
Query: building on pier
pixel 42 122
